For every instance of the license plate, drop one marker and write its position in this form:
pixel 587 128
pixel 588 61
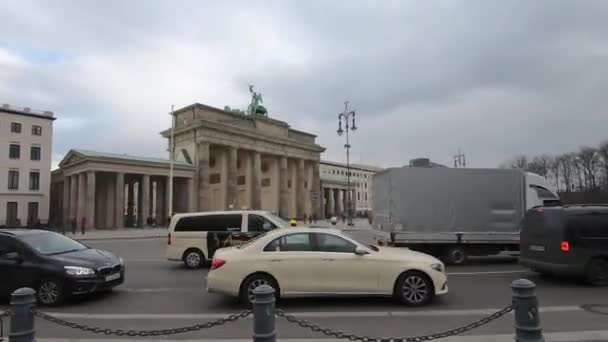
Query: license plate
pixel 113 277
pixel 537 248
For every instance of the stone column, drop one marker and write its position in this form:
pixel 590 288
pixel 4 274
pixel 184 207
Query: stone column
pixel 160 202
pixel 191 195
pixel 340 202
pixel 256 186
pixel 231 174
pixel 119 202
pixel 330 202
pixel 110 202
pixel 203 176
pixel 284 191
pixel 301 190
pixel 66 200
pixel 90 211
pixel 82 187
pixel 73 196
pixel 145 201
pixel 317 202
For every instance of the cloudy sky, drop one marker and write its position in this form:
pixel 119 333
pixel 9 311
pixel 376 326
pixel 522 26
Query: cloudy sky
pixel 492 77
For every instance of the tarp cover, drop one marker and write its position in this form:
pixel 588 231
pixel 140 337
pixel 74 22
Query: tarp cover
pixel 448 200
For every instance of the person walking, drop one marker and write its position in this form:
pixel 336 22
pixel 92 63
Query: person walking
pixel 74 225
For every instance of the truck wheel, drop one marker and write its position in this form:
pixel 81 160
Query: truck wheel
pixel 456 255
pixel 597 272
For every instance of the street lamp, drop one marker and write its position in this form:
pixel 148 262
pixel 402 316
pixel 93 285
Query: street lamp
pixel 344 118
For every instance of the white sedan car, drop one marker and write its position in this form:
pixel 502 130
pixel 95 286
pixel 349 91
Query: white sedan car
pixel 314 262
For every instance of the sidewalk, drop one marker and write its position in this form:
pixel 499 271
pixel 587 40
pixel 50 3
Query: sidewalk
pixel 122 233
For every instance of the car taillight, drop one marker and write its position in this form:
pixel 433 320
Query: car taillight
pixel 169 239
pixel 217 263
pixel 565 246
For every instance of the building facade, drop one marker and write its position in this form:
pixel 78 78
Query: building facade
pixel 223 161
pixel 334 180
pixel 26 139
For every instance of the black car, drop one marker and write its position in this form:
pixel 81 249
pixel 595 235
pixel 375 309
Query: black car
pixel 567 241
pixel 54 265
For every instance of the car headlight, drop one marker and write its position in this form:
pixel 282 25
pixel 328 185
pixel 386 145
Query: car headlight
pixel 79 271
pixel 122 262
pixel 437 267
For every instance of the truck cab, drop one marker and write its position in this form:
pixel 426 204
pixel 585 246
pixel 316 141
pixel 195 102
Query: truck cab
pixel 539 192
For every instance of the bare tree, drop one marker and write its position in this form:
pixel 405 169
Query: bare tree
pixel 566 166
pixel 602 152
pixel 554 171
pixel 588 160
pixel 540 165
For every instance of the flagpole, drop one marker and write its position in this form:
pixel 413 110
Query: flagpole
pixel 171 157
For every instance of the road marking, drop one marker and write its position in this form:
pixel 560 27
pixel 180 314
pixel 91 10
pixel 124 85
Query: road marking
pixel 156 290
pixel 322 314
pixel 489 272
pixel 588 335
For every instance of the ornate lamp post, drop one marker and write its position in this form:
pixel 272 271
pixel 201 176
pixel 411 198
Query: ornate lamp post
pixel 344 118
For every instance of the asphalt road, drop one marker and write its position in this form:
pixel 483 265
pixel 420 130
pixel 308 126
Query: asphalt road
pixel 161 294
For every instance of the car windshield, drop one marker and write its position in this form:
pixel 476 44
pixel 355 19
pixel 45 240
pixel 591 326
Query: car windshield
pixel 248 243
pixel 51 243
pixel 277 219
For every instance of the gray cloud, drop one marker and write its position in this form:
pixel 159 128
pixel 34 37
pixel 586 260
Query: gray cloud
pixel 496 78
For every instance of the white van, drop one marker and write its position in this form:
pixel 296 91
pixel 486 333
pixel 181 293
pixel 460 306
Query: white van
pixel 194 237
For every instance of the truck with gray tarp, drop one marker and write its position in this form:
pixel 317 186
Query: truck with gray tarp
pixel 454 213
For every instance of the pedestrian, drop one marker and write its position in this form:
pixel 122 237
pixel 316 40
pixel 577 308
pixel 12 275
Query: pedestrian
pixel 83 222
pixel 74 225
pixel 293 222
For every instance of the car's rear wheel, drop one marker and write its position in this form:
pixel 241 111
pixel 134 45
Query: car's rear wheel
pixel 597 272
pixel 50 292
pixel 252 282
pixel 414 288
pixel 193 258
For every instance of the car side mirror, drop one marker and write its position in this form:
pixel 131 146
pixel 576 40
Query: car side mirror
pixel 360 251
pixel 266 226
pixel 14 256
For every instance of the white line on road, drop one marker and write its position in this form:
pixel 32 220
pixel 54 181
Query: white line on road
pixel 589 335
pixel 322 314
pixel 488 272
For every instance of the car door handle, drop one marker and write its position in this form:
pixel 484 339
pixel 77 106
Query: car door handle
pixel 276 260
pixel 327 259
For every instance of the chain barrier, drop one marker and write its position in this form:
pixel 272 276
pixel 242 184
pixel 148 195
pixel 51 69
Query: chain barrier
pixel 3 315
pixel 142 333
pixel 353 337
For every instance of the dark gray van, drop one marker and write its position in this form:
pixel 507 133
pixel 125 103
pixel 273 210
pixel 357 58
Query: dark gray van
pixel 568 241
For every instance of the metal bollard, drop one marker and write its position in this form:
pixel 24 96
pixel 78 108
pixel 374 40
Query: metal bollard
pixel 23 301
pixel 263 315
pixel 525 306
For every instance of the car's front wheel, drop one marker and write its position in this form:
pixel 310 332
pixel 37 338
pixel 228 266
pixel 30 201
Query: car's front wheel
pixel 252 282
pixel 50 292
pixel 597 272
pixel 414 288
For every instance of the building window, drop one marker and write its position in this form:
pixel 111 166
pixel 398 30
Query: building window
pixel 35 153
pixel 215 178
pixel 265 167
pixel 13 180
pixel 358 196
pixel 14 151
pixel 34 180
pixel 32 212
pixel 240 180
pixel 366 196
pixel 212 162
pixel 305 185
pixel 36 130
pixel 238 164
pixel 15 127
pixel 289 184
pixel 365 184
pixel 265 182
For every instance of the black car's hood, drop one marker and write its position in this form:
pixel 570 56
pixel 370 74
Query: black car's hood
pixel 90 257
